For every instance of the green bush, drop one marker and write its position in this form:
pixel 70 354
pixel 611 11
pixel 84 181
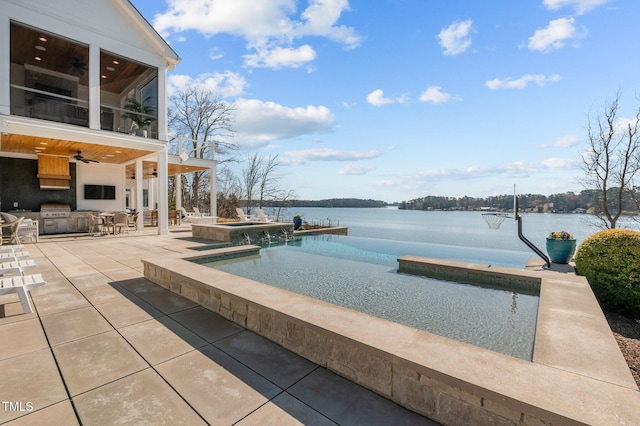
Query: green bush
pixel 610 260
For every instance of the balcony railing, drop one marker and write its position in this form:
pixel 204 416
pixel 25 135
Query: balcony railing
pixel 50 106
pixel 44 105
pixel 190 148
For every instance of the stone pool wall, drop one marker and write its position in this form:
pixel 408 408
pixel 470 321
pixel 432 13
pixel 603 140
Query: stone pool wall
pixel 577 376
pixel 237 233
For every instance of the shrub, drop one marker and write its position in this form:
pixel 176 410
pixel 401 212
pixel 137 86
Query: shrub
pixel 610 260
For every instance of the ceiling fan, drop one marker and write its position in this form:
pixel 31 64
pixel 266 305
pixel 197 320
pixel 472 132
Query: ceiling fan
pixel 79 157
pixel 79 66
pixel 148 175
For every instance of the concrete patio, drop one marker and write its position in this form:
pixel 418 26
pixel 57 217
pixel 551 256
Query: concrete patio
pixel 106 346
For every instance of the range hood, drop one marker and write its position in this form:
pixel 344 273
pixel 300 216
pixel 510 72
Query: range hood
pixel 53 172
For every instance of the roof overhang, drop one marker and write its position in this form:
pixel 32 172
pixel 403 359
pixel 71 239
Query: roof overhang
pixel 19 135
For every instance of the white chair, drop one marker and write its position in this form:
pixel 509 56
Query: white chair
pixel 28 228
pixel 263 217
pixel 243 217
pixel 21 284
pixel 197 212
pixel 185 215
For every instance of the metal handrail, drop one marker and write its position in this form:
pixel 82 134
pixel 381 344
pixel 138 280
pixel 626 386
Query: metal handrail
pixel 524 239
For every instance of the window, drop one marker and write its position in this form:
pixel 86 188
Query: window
pixel 128 96
pixel 49 76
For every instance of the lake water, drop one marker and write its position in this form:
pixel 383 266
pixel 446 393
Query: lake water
pixel 458 228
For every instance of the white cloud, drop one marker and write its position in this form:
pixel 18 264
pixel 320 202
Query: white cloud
pixel 455 38
pixel 320 18
pixel 226 84
pixel 258 123
pixel 215 54
pixel 566 141
pixel 353 169
pixel 435 95
pixel 296 158
pixel 554 37
pixel 280 57
pixel 522 82
pixel 516 169
pixel 376 98
pixel 580 6
pixel 272 25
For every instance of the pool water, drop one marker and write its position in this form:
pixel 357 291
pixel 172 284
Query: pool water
pixel 361 274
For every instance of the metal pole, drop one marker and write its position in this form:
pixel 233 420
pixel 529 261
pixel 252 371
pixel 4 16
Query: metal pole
pixel 524 239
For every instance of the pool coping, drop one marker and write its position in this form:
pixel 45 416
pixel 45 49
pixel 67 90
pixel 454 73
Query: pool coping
pixel 578 373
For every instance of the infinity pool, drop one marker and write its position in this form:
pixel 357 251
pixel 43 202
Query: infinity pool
pixel 361 274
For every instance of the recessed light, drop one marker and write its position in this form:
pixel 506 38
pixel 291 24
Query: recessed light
pixel 42 39
pixel 116 62
pixel 110 155
pixel 104 76
pixel 111 69
pixel 38 58
pixel 44 143
pixel 118 152
pixel 41 48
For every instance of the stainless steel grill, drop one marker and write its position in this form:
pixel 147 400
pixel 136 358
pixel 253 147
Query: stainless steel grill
pixel 54 211
pixel 55 218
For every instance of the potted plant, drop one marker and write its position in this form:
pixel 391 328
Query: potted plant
pixel 561 246
pixel 297 221
pixel 140 115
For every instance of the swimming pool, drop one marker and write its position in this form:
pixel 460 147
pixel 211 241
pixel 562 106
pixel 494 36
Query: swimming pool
pixel 361 274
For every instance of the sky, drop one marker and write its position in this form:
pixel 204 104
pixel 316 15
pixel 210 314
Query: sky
pixel 398 99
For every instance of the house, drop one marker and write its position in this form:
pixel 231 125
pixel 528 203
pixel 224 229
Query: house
pixel 83 112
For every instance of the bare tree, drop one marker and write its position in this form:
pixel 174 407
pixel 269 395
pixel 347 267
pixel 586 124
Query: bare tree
pixel 612 163
pixel 260 182
pixel 201 118
pixel 251 178
pixel 268 180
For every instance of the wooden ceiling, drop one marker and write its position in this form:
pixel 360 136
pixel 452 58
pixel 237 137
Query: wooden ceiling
pixel 20 144
pixel 72 58
pixel 148 167
pixel 35 145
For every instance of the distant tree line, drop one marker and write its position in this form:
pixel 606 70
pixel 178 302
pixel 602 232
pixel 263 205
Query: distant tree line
pixel 588 200
pixel 332 202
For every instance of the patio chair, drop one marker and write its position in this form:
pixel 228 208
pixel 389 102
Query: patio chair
pixel 16 267
pixel 243 217
pixel 263 217
pixel 29 229
pixel 7 256
pixel 121 222
pixel 21 284
pixel 133 220
pixel 185 215
pixel 96 224
pixel 11 248
pixel 13 237
pixel 174 217
pixel 197 212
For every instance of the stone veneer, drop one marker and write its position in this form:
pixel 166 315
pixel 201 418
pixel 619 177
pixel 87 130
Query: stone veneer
pixel 236 232
pixel 578 375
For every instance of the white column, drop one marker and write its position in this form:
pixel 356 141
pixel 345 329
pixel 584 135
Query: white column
pixel 162 104
pixel 139 197
pixel 163 192
pixel 5 65
pixel 94 87
pixel 178 186
pixel 213 185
